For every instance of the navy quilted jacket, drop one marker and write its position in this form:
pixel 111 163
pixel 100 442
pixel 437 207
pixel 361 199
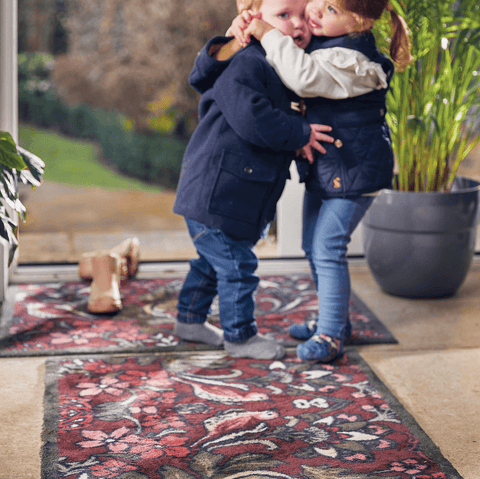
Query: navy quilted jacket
pixel 237 161
pixel 361 159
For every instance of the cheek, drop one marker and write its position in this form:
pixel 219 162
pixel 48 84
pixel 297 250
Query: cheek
pixel 274 23
pixel 286 29
pixel 339 30
pixel 333 28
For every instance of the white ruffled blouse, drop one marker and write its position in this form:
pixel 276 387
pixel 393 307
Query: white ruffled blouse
pixel 334 73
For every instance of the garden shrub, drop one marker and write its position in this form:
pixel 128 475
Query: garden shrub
pixel 153 158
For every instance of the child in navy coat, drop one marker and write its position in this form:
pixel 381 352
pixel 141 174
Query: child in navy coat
pixel 233 173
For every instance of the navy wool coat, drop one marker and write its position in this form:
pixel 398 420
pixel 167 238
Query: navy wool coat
pixel 237 161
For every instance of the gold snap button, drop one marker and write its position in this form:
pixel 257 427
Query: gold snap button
pixel 338 143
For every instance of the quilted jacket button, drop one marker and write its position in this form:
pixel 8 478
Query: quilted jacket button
pixel 338 143
pixel 248 170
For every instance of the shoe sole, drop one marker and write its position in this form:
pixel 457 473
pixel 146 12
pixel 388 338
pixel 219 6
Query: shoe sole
pixel 104 305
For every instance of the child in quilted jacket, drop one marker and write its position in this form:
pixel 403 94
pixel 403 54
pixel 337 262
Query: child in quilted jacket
pixel 344 80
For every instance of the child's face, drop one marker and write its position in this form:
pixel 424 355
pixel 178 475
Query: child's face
pixel 288 16
pixel 326 19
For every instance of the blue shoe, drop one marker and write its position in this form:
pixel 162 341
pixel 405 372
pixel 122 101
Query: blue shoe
pixel 303 331
pixel 320 349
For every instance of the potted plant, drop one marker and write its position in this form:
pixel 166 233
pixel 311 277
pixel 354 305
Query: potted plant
pixel 16 165
pixel 419 236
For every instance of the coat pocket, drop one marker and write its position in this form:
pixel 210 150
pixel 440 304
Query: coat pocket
pixel 242 187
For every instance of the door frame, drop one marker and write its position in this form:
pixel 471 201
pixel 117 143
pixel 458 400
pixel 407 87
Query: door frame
pixel 8 105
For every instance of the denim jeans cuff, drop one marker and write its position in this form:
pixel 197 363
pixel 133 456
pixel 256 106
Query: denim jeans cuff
pixel 242 335
pixel 190 319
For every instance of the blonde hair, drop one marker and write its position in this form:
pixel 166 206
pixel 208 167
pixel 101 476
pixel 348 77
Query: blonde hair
pixel 366 12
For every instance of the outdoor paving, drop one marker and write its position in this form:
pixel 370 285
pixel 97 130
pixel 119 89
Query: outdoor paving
pixel 64 221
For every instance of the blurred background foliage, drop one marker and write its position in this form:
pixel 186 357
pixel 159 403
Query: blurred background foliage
pixel 116 72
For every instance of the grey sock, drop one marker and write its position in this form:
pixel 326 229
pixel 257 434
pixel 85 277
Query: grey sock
pixel 199 333
pixel 256 347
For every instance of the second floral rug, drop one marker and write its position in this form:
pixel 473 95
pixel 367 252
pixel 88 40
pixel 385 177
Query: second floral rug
pixel 52 319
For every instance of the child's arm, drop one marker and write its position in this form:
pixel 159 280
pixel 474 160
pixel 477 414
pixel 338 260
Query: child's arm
pixel 211 61
pixel 206 68
pixel 331 73
pixel 244 99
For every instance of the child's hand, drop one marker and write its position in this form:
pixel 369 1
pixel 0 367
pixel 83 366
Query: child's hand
pixel 239 24
pixel 307 153
pixel 257 29
pixel 316 136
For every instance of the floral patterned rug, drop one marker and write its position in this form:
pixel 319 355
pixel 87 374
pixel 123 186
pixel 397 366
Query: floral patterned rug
pixel 52 319
pixel 204 415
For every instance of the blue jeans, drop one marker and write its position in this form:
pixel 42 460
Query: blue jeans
pixel 225 266
pixel 327 228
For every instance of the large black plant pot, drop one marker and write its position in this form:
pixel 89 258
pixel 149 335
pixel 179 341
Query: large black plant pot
pixel 420 245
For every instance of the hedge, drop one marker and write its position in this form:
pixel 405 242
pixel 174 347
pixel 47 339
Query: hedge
pixel 154 158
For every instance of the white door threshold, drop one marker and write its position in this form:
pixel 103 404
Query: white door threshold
pixel 47 273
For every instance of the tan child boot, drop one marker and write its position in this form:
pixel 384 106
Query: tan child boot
pixel 128 251
pixel 104 291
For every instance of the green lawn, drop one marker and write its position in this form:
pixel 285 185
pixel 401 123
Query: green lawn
pixel 74 162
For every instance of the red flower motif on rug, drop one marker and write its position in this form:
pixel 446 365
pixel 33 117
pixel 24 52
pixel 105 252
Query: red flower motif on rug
pixel 210 416
pixel 52 318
